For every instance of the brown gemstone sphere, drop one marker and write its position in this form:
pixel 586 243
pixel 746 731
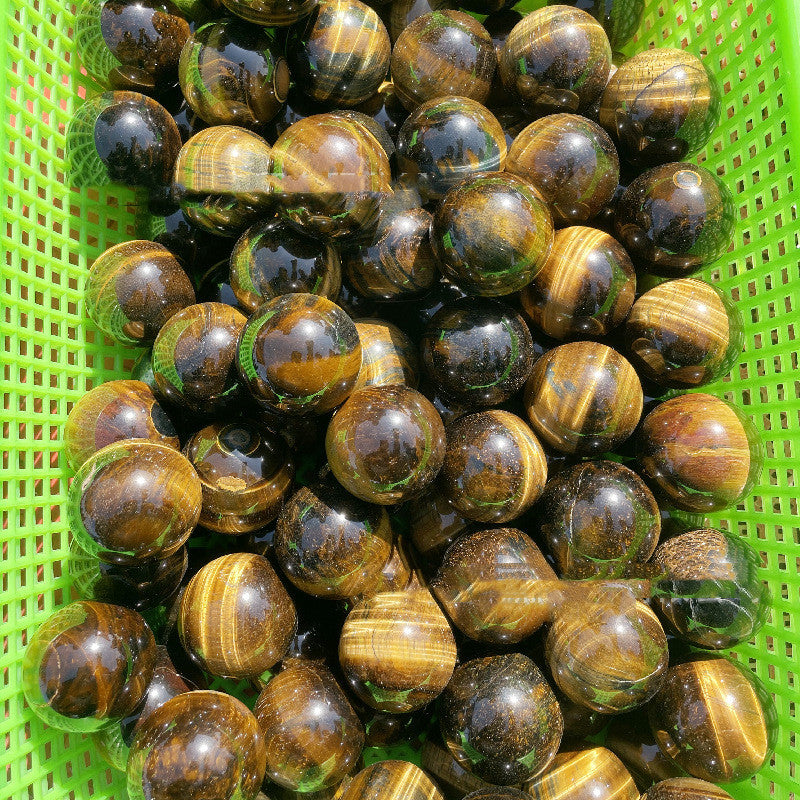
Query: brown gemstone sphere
pixel 198 744
pixel 388 356
pixel 88 665
pixel 486 584
pixel 556 59
pixel 714 718
pixel 699 452
pixel 112 412
pixel 385 444
pixel 585 288
pixel 684 333
pixel 583 398
pixel 236 619
pixel 133 288
pixel 271 13
pixel 397 650
pixel 500 718
pixel 391 780
pixel 194 357
pixel 300 353
pixel 443 53
pixel 134 500
pixel 494 469
pixel 246 472
pixel 685 789
pixel 571 161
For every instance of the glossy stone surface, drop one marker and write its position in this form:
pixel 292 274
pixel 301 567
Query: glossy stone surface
pixel 300 353
pixel 515 742
pixel 385 444
pixel 340 55
pixel 435 525
pixel 585 288
pixel 170 752
pixel 271 13
pixel 391 780
pixel 477 351
pixel 330 544
pixel 487 585
pixel 712 592
pixel 450 776
pixel 599 519
pixel 385 109
pixel 495 468
pixel 388 356
pixel 608 653
pixel 445 140
pixel 236 619
pixel 194 357
pixel 684 333
pixel 685 789
pixel 694 227
pixel 442 53
pixel 699 452
pixel 556 60
pixel 271 259
pixel 112 412
pixel 620 18
pixel 312 735
pixel 397 651
pixel 583 398
pixel 661 105
pixel 492 233
pixel 403 12
pixel 715 719
pixel 87 666
pixel 133 500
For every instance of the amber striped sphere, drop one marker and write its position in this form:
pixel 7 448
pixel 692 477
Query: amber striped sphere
pixel 583 398
pixel 397 650
pixel 271 13
pixel 585 288
pixel 685 789
pixel 112 412
pixel 391 780
pixel 312 735
pixel 388 356
pixel 684 333
pixel 443 53
pixel 236 619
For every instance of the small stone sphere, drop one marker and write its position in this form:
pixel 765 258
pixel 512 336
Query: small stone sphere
pixel 435 525
pixel 685 789
pixel 388 356
pixel 271 13
pixel 684 333
pixel 585 288
pixel 386 444
pixel 88 666
pixel 583 398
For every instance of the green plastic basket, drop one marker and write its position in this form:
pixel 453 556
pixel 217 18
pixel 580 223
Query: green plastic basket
pixel 53 355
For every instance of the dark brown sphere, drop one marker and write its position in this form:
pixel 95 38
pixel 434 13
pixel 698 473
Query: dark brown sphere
pixel 685 789
pixel 388 356
pixel 435 525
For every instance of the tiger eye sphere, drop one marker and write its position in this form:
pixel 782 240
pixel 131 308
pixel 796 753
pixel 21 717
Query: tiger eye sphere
pixel 583 398
pixel 340 55
pixel 271 13
pixel 233 73
pixel 661 105
pixel 446 140
pixel 715 719
pixel 494 469
pixel 711 592
pixel 556 59
pixel 312 735
pixel 699 452
pixel 492 233
pixel 485 585
pixel 442 53
pixel 87 666
pixel 385 444
pixel 300 353
pixel 391 780
pixel 236 619
pixel 331 544
pixel 609 654
pixel 194 357
pixel 435 525
pixel 112 412
pixel 694 225
pixel 684 333
pixel 478 351
pixel 134 500
pixel 198 744
pixel 403 12
pixel 122 137
pixel 571 161
pixel 388 356
pixel 599 519
pixel 521 734
pixel 685 789
pixel 397 651
pixel 133 288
